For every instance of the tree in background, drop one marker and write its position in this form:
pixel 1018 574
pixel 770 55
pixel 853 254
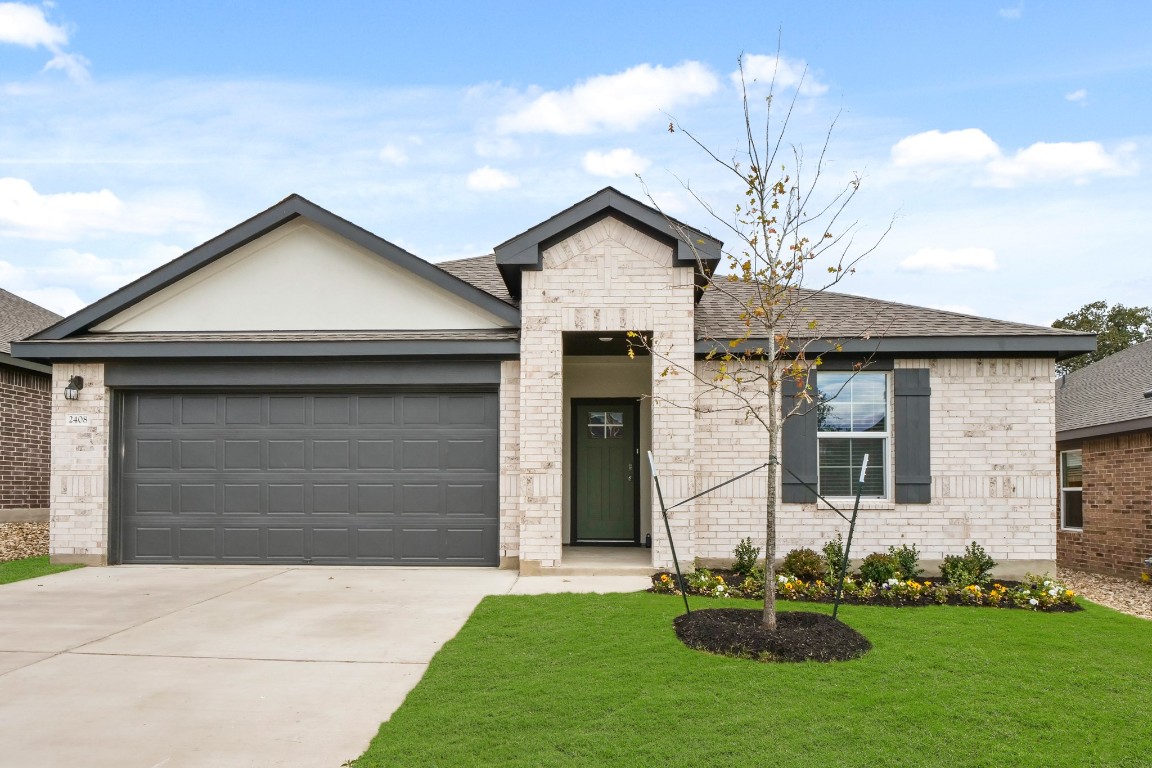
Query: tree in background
pixel 792 242
pixel 1117 328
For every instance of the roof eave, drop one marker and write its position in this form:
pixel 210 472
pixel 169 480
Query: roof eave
pixel 1104 430
pixel 1058 347
pixel 64 351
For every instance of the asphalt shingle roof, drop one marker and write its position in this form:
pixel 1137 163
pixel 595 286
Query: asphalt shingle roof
pixel 20 318
pixel 836 314
pixel 1108 391
pixel 482 272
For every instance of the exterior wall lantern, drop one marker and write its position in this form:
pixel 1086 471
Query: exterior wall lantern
pixel 72 391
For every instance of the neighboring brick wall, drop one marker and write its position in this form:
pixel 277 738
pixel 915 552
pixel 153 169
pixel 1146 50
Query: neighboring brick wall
pixel 993 427
pixel 607 277
pixel 1117 534
pixel 79 529
pixel 25 438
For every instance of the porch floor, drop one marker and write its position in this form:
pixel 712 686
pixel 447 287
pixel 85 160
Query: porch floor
pixel 605 561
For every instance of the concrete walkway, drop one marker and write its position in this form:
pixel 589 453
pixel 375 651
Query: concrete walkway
pixel 229 666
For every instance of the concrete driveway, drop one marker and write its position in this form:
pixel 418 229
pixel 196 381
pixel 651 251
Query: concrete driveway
pixel 166 667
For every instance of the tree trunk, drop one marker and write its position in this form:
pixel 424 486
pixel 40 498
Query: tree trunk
pixel 770 505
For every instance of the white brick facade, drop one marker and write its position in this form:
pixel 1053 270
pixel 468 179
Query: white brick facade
pixel 80 471
pixel 993 481
pixel 607 277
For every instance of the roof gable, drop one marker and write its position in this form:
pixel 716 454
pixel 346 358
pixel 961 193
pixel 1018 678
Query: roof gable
pixel 525 251
pixel 299 277
pixel 291 208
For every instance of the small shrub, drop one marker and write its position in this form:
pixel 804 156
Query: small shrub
pixel 878 567
pixel 907 559
pixel 834 557
pixel 957 571
pixel 805 565
pixel 753 584
pixel 973 567
pixel 747 556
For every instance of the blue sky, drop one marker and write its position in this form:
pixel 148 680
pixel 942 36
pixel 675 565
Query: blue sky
pixel 1008 141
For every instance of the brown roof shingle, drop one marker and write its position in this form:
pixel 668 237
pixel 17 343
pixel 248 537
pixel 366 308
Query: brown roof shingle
pixel 20 318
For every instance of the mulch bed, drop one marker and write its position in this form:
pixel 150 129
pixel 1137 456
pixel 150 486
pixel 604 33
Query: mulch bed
pixel 799 635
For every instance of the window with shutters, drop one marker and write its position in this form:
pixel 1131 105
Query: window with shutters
pixel 852 421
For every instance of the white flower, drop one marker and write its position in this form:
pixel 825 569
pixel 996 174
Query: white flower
pixel 1033 601
pixel 1047 583
pixel 893 581
pixel 1053 592
pixel 782 579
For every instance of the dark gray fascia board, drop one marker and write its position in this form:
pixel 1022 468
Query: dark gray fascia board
pixel 59 351
pixel 330 373
pixel 28 365
pixel 259 225
pixel 524 251
pixel 1104 430
pixel 1058 346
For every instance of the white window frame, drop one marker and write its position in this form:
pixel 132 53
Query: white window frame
pixel 885 436
pixel 1065 489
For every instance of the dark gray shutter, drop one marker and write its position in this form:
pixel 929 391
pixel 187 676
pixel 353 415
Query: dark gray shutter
pixel 913 435
pixel 798 445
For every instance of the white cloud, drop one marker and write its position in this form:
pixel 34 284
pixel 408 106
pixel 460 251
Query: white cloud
pixel 613 102
pixel 1012 13
pixel 489 179
pixel 26 212
pixel 62 301
pixel 26 25
pixel 787 74
pixel 1079 96
pixel 970 145
pixel 615 163
pixel 1059 160
pixel 951 260
pixel 393 155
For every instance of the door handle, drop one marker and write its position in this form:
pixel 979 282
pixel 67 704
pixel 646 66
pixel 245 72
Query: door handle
pixel 629 471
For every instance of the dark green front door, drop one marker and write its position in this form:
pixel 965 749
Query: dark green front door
pixel 605 472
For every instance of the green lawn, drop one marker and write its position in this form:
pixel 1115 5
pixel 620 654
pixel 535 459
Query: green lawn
pixel 30 568
pixel 574 680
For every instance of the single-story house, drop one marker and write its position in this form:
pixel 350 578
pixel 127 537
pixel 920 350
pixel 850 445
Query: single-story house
pixel 299 390
pixel 25 415
pixel 1104 464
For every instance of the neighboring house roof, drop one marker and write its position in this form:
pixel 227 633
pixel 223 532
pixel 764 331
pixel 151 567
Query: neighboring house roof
pixel 20 318
pixel 1107 396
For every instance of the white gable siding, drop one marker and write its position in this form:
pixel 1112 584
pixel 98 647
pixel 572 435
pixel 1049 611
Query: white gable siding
pixel 300 278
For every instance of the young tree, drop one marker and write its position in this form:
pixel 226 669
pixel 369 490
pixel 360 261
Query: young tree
pixel 792 243
pixel 1117 328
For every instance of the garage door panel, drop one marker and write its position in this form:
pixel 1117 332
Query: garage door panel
pixel 227 477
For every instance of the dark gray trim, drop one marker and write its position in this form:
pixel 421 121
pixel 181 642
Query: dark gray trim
pixel 1060 346
pixel 912 431
pixel 185 375
pixel 259 225
pixel 1104 430
pixel 115 464
pixel 842 364
pixel 111 350
pixel 799 450
pixel 525 251
pixel 15 362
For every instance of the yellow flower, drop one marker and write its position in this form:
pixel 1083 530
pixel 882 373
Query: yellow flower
pixel 1070 593
pixel 720 579
pixel 664 578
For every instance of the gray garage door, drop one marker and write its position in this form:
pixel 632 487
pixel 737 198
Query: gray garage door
pixel 326 478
